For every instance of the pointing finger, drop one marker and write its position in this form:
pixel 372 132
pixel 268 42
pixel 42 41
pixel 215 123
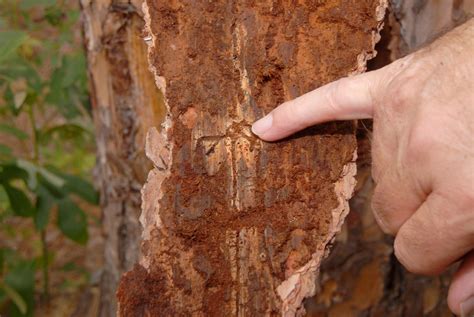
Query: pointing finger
pixel 345 99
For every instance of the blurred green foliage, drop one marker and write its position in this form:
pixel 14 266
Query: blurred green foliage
pixel 46 139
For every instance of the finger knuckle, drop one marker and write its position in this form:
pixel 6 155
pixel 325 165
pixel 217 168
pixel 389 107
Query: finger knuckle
pixel 406 248
pixel 405 89
pixel 333 95
pixel 401 96
pixel 403 254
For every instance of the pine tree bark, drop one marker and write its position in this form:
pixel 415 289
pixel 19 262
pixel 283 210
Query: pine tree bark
pixel 233 226
pixel 227 219
pixel 125 104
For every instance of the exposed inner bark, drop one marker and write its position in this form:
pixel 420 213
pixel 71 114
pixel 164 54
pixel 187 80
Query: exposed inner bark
pixel 232 225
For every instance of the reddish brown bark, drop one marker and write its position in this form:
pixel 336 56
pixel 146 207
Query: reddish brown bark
pixel 233 225
pixel 285 51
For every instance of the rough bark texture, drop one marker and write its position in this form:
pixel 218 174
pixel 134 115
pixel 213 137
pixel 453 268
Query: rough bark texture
pixel 214 91
pixel 233 226
pixel 125 105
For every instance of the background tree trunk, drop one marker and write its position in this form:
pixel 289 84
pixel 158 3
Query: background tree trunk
pixel 208 248
pixel 125 105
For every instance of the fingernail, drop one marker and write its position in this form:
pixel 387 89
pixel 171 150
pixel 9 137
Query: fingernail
pixel 467 307
pixel 262 125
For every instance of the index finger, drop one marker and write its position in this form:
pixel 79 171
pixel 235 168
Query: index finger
pixel 345 99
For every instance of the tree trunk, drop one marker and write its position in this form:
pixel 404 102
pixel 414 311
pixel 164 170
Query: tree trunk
pixel 125 105
pixel 233 226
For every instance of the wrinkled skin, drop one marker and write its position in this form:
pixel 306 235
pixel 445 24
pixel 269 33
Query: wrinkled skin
pixel 422 148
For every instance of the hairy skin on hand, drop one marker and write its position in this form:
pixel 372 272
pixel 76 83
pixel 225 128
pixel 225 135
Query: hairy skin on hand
pixel 423 151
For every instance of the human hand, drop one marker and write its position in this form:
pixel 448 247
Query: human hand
pixel 422 151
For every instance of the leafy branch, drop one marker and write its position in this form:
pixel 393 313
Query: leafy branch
pixel 45 125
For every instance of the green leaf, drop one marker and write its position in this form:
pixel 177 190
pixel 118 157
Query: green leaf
pixel 9 129
pixel 8 95
pixel 68 131
pixel 51 178
pixel 4 204
pixel 66 85
pixel 19 201
pixel 9 43
pixel 19 68
pixel 5 150
pixel 61 98
pixel 74 68
pixel 72 221
pixel 2 260
pixel 9 256
pixel 54 16
pixel 44 203
pixel 28 4
pixel 31 170
pixel 15 297
pixel 78 186
pixel 10 171
pixel 81 187
pixel 21 278
pixel 57 192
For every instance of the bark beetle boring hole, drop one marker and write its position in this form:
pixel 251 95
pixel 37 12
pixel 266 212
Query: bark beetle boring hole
pixel 233 225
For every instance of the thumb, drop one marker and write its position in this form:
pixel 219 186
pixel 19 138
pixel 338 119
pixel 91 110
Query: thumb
pixel 461 291
pixel 345 99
